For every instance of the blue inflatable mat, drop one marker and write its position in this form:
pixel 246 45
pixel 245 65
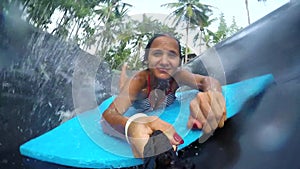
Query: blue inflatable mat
pixel 80 142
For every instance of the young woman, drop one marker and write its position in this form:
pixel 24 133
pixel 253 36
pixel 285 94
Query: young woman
pixel 154 88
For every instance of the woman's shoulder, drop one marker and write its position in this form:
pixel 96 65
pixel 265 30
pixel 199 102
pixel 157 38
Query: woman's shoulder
pixel 144 72
pixel 141 75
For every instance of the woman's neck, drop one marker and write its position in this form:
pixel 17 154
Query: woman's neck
pixel 157 83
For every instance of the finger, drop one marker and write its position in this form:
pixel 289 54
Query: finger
pixel 193 123
pixel 221 101
pixel 157 124
pixel 196 112
pixel 218 106
pixel 207 128
pixel 216 112
pixel 208 106
pixel 135 152
pixel 225 111
pixel 223 119
pixel 139 135
pixel 221 124
pixel 173 136
pixel 166 128
pixel 212 122
pixel 224 115
pixel 137 146
pixel 194 107
pixel 204 102
pixel 123 76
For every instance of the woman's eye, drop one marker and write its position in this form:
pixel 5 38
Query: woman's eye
pixel 172 55
pixel 157 53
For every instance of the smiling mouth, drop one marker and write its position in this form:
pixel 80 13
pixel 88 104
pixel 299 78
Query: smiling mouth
pixel 163 70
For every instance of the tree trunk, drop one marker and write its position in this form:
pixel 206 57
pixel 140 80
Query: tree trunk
pixel 138 54
pixel 247 9
pixel 72 29
pixel 186 42
pixel 200 51
pixel 60 22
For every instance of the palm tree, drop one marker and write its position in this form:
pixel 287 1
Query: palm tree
pixel 202 22
pixel 133 38
pixel 187 11
pixel 111 16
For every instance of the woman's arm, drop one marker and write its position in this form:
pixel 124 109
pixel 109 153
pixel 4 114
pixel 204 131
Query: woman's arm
pixel 138 129
pixel 113 116
pixel 196 81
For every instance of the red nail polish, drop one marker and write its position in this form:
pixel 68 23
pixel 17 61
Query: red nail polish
pixel 177 138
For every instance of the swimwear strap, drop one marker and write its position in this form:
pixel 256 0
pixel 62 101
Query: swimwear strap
pixel 130 120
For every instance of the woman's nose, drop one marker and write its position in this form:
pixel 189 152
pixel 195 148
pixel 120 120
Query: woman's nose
pixel 164 59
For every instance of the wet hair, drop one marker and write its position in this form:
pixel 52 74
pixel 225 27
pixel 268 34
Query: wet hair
pixel 148 46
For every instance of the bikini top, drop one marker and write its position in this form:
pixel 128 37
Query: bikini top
pixel 156 98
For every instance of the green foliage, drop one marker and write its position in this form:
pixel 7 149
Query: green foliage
pixel 116 56
pixel 233 27
pixel 194 14
pixel 134 37
pixel 223 31
pixel 105 26
pixel 189 11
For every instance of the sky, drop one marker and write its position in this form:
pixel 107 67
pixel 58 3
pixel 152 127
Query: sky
pixel 230 8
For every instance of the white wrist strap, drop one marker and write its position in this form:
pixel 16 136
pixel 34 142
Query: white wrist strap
pixel 131 119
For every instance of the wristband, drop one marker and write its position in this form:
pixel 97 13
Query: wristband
pixel 131 119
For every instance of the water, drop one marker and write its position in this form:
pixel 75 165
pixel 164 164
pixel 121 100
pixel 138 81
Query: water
pixel 37 85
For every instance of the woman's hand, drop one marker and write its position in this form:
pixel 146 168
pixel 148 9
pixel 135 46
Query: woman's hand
pixel 207 111
pixel 140 129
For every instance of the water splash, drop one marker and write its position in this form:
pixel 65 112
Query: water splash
pixel 36 82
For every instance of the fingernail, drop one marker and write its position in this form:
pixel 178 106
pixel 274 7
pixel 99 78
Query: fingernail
pixel 177 138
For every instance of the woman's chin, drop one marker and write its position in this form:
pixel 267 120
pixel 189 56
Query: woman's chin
pixel 164 76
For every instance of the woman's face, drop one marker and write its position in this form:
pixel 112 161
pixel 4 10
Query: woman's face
pixel 164 57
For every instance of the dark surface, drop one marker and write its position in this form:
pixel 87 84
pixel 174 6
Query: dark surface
pixel 265 134
pixel 36 83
